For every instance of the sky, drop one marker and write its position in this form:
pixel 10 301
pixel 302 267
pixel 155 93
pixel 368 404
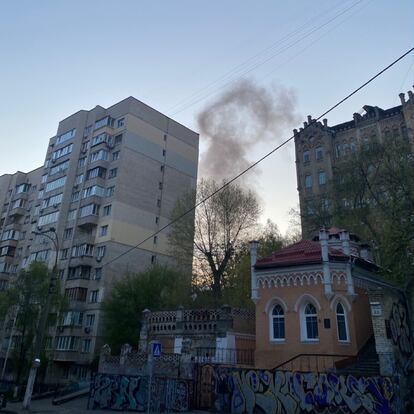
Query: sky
pixel 183 56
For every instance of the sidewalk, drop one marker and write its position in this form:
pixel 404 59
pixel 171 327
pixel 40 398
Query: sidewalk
pixel 77 406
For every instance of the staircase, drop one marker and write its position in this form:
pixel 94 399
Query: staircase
pixel 365 364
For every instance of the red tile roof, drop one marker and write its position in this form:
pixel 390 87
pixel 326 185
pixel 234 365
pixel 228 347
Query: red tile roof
pixel 302 252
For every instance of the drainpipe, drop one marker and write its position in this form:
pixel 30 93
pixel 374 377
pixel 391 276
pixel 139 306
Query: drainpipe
pixel 253 277
pixel 323 240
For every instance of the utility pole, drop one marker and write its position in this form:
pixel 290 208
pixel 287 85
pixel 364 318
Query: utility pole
pixel 43 318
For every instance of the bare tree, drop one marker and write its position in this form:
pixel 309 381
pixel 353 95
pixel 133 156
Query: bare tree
pixel 220 226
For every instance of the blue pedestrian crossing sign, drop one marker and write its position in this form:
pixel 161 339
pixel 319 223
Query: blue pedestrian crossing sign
pixel 156 349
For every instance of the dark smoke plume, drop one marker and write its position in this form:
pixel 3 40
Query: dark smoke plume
pixel 241 118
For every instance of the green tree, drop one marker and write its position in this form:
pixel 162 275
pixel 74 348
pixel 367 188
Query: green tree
pixel 21 305
pixel 372 195
pixel 221 225
pixel 157 288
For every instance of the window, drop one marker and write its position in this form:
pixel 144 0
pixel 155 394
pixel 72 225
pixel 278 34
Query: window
pixel 47 163
pixel 64 254
pixel 48 218
pixel 153 259
pixel 98 273
pixel 110 191
pixel 101 138
pixel 322 178
pixel 52 201
pixel 22 188
pixel 104 122
pixel 78 179
pixel 66 136
pixel 90 320
pixel 93 296
pixel 306 156
pixel 164 152
pixel 155 239
pixel 309 323
pixel 120 123
pixel 308 181
pixel 278 323
pixel 82 250
pixel 165 137
pixel 94 190
pixel 82 162
pixel 99 155
pixel 96 172
pixel 103 231
pixel 44 178
pixel 71 214
pixel 19 203
pixel 59 167
pixel 85 146
pixel 100 251
pixel 79 272
pixel 66 343
pixel 162 168
pixel 107 210
pixel 341 323
pixel 53 185
pixel 75 196
pixel 319 153
pixel 86 345
pixel 115 155
pixel 158 203
pixel 160 185
pixel 89 210
pixel 62 152
pixel 157 220
pixel 87 130
pixel 113 173
pixel 11 235
pixel 118 139
pixel 67 234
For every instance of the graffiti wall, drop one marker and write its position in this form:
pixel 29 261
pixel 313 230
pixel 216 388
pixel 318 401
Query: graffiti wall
pixel 254 391
pixel 130 393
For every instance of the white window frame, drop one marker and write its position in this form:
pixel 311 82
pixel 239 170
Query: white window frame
pixel 344 314
pixel 303 326
pixel 271 320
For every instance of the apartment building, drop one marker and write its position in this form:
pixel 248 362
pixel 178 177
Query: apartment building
pixel 320 147
pixel 110 180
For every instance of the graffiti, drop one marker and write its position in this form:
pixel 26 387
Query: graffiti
pixel 400 331
pixel 130 393
pixel 279 392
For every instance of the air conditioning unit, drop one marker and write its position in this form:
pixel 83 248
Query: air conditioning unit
pixel 76 186
pixel 98 259
pixel 61 329
pixel 53 161
pixel 87 330
pixel 55 205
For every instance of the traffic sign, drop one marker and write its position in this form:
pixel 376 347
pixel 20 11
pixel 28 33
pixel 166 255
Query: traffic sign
pixel 156 349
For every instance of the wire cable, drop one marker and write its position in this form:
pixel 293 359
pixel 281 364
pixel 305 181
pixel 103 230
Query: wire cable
pixel 253 165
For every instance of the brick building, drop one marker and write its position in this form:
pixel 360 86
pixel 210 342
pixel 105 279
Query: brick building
pixel 321 305
pixel 320 147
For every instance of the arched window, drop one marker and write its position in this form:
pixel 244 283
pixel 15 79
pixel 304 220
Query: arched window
pixel 278 323
pixel 341 322
pixel 310 322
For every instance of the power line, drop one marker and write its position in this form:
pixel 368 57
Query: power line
pixel 226 184
pixel 238 68
pixel 262 62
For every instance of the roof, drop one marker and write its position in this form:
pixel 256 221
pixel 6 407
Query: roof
pixel 302 252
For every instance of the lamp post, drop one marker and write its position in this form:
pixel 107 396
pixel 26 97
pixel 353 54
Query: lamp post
pixel 43 318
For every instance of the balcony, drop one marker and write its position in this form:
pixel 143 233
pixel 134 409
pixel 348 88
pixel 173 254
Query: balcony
pixel 10 242
pixel 71 356
pixel 88 222
pixel 18 211
pixel 82 261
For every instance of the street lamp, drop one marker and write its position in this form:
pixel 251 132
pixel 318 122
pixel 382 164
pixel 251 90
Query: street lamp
pixel 43 317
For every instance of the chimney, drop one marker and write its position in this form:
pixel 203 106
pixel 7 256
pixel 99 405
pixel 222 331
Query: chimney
pixel 402 98
pixel 325 122
pixel 323 240
pixel 365 253
pixel 344 237
pixel 253 279
pixel 410 95
pixel 309 119
pixel 327 283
